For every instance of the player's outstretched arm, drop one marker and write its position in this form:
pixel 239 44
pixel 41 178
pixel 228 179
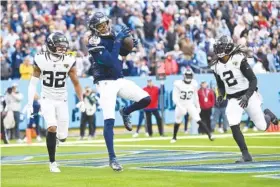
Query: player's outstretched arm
pixel 221 86
pixel 74 78
pixel 32 89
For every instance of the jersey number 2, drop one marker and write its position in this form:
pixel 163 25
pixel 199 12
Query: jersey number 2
pixel 57 80
pixel 229 78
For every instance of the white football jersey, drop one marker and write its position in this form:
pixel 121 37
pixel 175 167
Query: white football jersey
pixel 183 92
pixel 231 74
pixel 53 74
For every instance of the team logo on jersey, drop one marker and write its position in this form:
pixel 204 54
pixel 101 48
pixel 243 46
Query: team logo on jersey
pixel 235 63
pixel 95 40
pixel 66 65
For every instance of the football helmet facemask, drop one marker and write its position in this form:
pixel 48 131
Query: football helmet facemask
pixel 99 24
pixel 223 46
pixel 188 76
pixel 57 43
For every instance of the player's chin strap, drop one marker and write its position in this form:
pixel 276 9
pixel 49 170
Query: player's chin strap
pixel 32 89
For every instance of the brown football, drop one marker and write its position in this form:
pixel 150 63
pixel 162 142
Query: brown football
pixel 128 43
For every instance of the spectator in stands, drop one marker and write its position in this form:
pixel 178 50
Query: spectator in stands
pixel 152 108
pixel 149 31
pixel 88 117
pixel 17 58
pixel 13 101
pixel 26 69
pixel 171 66
pixel 206 100
pixel 6 69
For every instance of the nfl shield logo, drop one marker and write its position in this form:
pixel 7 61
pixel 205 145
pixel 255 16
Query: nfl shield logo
pixel 66 65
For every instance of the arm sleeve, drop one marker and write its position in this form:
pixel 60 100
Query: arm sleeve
pixel 175 95
pixel 220 84
pixel 249 74
pixel 102 56
pixel 32 89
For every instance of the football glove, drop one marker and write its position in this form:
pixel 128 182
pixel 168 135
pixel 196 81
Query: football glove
pixel 81 106
pixel 244 99
pixel 123 33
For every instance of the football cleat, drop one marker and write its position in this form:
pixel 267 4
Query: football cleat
pixel 115 165
pixel 135 135
pixel 126 120
pixel 274 119
pixel 173 141
pixel 245 158
pixel 211 137
pixel 54 167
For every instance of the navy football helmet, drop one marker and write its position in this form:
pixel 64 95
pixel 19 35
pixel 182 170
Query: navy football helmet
pixel 188 76
pixel 99 24
pixel 57 43
pixel 223 46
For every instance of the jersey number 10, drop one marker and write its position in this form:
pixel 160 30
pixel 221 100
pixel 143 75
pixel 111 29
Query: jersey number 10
pixel 54 79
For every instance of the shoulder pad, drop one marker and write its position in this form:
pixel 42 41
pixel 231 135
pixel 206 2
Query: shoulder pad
pixel 94 40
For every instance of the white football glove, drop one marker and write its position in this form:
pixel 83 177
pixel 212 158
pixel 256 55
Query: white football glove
pixel 29 111
pixel 81 106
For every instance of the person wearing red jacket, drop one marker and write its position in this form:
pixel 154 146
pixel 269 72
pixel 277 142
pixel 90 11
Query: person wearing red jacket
pixel 152 108
pixel 207 101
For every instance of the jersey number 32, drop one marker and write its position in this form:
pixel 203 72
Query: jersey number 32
pixel 54 79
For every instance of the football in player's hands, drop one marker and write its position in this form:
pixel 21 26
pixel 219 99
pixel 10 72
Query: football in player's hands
pixel 128 43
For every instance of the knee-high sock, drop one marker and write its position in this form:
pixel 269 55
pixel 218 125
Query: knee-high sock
pixel 204 126
pixel 239 138
pixel 175 130
pixel 109 137
pixel 51 145
pixel 268 120
pixel 143 103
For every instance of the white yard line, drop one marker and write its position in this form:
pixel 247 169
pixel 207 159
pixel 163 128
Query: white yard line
pixel 100 143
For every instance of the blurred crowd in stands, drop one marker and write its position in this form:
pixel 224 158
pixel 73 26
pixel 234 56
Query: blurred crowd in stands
pixel 173 34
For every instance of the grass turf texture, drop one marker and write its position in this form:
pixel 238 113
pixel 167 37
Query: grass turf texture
pixel 38 175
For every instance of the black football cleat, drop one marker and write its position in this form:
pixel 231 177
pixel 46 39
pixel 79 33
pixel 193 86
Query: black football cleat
pixel 274 119
pixel 126 120
pixel 211 137
pixel 115 165
pixel 245 158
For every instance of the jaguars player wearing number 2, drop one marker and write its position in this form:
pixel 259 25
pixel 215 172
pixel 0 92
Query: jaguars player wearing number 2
pixel 236 79
pixel 185 97
pixel 53 66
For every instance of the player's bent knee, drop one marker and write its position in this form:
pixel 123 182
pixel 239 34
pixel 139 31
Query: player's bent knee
pixel 52 129
pixel 146 100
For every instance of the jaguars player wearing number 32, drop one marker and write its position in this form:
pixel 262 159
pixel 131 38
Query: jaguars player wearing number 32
pixel 236 79
pixel 105 46
pixel 185 98
pixel 53 66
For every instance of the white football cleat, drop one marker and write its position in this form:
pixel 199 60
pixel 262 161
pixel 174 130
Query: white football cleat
pixel 173 141
pixel 186 132
pixel 245 129
pixel 221 130
pixel 135 135
pixel 39 139
pixel 255 129
pixel 147 134
pixel 54 168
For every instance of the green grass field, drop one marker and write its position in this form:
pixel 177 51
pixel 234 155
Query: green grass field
pixel 191 161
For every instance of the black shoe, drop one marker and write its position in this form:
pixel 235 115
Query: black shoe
pixel 211 137
pixel 274 119
pixel 126 120
pixel 115 165
pixel 245 158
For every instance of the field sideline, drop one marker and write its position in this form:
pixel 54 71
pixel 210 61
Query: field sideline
pixel 191 161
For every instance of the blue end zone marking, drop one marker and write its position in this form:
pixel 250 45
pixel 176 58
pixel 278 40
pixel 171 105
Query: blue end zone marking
pixel 253 167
